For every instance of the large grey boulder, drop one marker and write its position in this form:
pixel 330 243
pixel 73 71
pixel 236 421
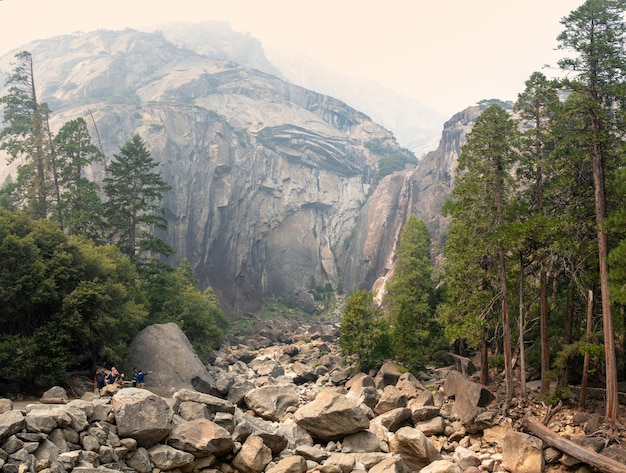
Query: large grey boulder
pixel 522 453
pixel 331 415
pixel 165 350
pixel 414 448
pixel 269 432
pixel 213 403
pixel 272 402
pixel 11 422
pixel 142 415
pixel 253 457
pixel 201 438
pixel 165 457
pixel 468 395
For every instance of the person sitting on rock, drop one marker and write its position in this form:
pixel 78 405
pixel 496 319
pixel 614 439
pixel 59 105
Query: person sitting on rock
pixel 110 378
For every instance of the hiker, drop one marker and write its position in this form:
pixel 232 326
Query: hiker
pixel 134 377
pixel 141 378
pixel 100 379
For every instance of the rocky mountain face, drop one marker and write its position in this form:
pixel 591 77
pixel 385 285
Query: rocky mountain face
pixel 420 191
pixel 273 184
pixel 415 126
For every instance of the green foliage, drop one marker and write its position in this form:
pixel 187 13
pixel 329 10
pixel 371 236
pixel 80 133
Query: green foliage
pixel 66 300
pixel 79 210
pixel 174 297
pixel 417 337
pixel 26 136
pixel 134 191
pixel 364 331
pixel 562 394
pixel 391 160
pixel 480 211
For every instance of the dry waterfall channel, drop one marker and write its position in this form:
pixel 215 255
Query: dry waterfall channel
pixel 290 404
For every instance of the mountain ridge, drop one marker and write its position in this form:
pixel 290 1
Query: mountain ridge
pixel 272 182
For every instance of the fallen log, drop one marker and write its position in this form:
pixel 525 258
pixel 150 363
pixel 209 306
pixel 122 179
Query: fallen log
pixel 596 460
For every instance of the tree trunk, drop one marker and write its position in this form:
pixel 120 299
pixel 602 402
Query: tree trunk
pixel 484 363
pixel 585 379
pixel 506 329
pixel 612 400
pixel 595 460
pixel 521 324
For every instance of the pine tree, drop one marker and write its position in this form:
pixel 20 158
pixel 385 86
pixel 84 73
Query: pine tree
pixel 134 192
pixel 364 331
pixel 79 209
pixel 537 107
pixel 26 135
pixel 479 211
pixel 410 295
pixel 595 33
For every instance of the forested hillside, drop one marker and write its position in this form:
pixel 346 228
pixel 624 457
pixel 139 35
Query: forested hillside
pixel 534 259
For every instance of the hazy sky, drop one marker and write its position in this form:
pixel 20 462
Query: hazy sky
pixel 446 53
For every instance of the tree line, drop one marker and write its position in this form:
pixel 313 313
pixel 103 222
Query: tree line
pixel 537 232
pixel 80 267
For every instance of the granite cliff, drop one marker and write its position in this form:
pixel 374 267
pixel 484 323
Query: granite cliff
pixel 273 184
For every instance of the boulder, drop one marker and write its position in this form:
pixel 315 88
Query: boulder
pixel 201 438
pixel 410 385
pixel 364 441
pixel 414 448
pixel 522 453
pixel 468 395
pixel 344 461
pixel 394 419
pixel 294 434
pixel 238 390
pixel 213 403
pixel 392 464
pixel 434 426
pixel 269 432
pixel 54 395
pixel 272 402
pixel 331 415
pixel 180 369
pixel 391 398
pixel 11 422
pixel 253 457
pixel 442 466
pixel 293 464
pixel 142 415
pixel 465 458
pixel 362 390
pixel 5 405
pixel 388 374
pixel 165 457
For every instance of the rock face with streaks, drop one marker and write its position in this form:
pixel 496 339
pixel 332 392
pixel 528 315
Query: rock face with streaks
pixel 273 185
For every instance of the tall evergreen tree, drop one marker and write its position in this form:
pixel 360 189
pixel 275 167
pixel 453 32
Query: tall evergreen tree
pixel 416 335
pixel 134 193
pixel 26 136
pixel 79 209
pixel 364 331
pixel 537 107
pixel 479 208
pixel 595 33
